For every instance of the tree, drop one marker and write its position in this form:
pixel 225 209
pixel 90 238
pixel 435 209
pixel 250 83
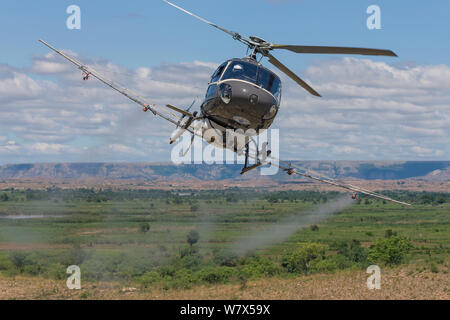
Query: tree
pixel 272 198
pixel 193 237
pixel 77 255
pixel 390 250
pixel 301 259
pixel 18 259
pixel 389 233
pixel 231 198
pixel 177 200
pixel 353 251
pixel 144 227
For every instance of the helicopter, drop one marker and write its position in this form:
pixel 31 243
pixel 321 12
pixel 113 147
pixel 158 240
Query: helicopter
pixel 242 95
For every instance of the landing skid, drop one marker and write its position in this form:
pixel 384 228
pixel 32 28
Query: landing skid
pixel 259 162
pixel 247 169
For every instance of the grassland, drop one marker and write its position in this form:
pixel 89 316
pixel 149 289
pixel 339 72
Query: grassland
pixel 405 282
pixel 105 233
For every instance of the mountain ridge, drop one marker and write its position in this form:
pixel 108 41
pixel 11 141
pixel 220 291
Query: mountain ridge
pixel 367 170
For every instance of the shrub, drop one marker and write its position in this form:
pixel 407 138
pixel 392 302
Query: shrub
pixel 389 251
pixel 243 280
pixel 183 279
pixel 56 271
pixel 259 267
pixel 76 255
pixel 353 251
pixel 32 269
pixel 225 258
pixel 168 271
pixel 148 279
pixel 162 248
pixel 193 237
pixel 300 260
pixel 18 259
pixel 5 262
pixel 84 295
pixel 191 261
pixel 389 233
pixel 188 251
pixel 215 274
pixel 331 263
pixel 314 227
pixel 95 270
pixel 434 268
pixel 144 227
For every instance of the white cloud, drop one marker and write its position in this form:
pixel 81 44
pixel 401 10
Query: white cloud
pixel 382 110
pixel 48 148
pixel 120 148
pixel 426 152
pixel 346 150
pixel 369 110
pixel 51 63
pixel 14 84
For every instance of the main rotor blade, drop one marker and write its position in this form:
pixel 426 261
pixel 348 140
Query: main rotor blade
pixel 335 50
pixel 292 75
pixel 235 35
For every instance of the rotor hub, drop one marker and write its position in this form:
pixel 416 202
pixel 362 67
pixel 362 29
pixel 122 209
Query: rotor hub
pixel 260 43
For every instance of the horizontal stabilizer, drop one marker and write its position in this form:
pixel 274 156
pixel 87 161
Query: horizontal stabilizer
pixel 184 112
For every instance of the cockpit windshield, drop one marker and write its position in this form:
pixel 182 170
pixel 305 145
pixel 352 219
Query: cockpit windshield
pixel 253 73
pixel 241 70
pixel 218 73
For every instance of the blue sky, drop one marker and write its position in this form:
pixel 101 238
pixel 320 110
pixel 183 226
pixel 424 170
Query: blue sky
pixel 136 33
pixel 153 38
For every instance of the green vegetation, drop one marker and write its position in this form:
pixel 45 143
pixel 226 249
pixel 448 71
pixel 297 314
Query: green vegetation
pixel 144 227
pixel 301 259
pixel 389 251
pixel 192 237
pixel 170 240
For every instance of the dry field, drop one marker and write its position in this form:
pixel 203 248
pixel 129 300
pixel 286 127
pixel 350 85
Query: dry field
pixel 399 283
pixel 261 183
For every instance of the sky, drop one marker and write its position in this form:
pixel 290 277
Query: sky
pixel 373 108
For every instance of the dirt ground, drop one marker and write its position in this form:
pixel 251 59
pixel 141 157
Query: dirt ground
pixel 294 184
pixel 399 283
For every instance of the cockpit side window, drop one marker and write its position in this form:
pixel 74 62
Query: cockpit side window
pixel 270 82
pixel 241 70
pixel 211 92
pixel 218 72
